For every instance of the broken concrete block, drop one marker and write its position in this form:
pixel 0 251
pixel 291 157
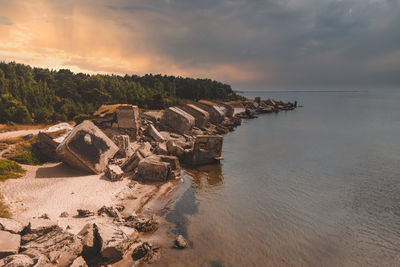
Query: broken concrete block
pixel 10 225
pixel 50 138
pixel 207 149
pixel 161 149
pixel 128 119
pixel 175 166
pixel 151 169
pixel 154 133
pixel 132 162
pixel 113 241
pixel 229 110
pixel 122 141
pixel 114 172
pixel 19 260
pixel 201 116
pixel 87 148
pixel 217 113
pixel 177 120
pixel 174 149
pixel 145 149
pixel 9 243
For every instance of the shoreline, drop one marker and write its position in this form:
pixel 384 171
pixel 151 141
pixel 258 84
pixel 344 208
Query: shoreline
pixel 46 192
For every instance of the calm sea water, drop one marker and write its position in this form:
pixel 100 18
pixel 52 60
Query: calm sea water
pixel 318 186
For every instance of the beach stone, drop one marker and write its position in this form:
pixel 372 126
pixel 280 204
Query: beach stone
pixel 60 247
pixel 85 213
pixel 9 243
pixel 19 260
pixel 146 253
pixel 79 262
pixel 10 225
pixel 64 214
pixel 87 148
pixel 178 120
pixel 114 172
pixel 180 242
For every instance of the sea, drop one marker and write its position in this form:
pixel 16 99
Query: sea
pixel 316 186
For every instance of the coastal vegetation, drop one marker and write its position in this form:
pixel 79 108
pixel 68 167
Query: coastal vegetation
pixel 36 95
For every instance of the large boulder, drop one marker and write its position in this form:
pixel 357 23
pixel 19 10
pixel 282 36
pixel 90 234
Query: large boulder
pixel 10 226
pixel 9 243
pixel 60 247
pixel 201 116
pixel 87 148
pixel 178 120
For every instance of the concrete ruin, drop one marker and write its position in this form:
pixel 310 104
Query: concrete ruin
pixel 217 113
pixel 50 138
pixel 201 116
pixel 158 168
pixel 207 149
pixel 87 148
pixel 118 119
pixel 177 120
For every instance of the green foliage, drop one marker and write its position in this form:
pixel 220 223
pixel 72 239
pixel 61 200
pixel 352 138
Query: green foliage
pixel 31 156
pixel 81 117
pixel 41 95
pixel 10 169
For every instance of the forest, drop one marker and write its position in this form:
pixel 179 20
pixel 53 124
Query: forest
pixel 37 95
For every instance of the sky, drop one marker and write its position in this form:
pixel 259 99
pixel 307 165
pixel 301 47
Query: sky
pixel 250 44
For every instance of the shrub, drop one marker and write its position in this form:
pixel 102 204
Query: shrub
pixel 10 169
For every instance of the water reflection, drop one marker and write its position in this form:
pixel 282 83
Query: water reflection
pixel 206 176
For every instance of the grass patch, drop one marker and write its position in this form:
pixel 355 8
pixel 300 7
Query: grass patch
pixel 17 127
pixel 4 210
pixel 10 169
pixel 30 155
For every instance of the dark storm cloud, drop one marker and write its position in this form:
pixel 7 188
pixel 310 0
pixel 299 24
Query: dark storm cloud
pixel 5 21
pixel 303 43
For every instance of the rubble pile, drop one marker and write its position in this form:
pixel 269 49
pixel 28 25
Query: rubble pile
pixel 150 145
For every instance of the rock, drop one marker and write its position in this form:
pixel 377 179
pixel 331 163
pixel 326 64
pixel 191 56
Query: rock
pixel 145 150
pixel 19 260
pixel 91 246
pixel 207 149
pixel 174 149
pixel 44 216
pixel 146 253
pixel 217 113
pixel 180 242
pixel 175 167
pixel 270 102
pixel 60 247
pixel 9 243
pixel 79 262
pixel 114 172
pixel 154 133
pixel 122 141
pixel 36 228
pixel 141 224
pixel 178 120
pixel 85 213
pixel 10 225
pixel 151 169
pixel 50 138
pixel 109 211
pixel 87 148
pixel 114 242
pixel 161 149
pixel 229 110
pixel 39 258
pixel 132 162
pixel 64 214
pixel 201 116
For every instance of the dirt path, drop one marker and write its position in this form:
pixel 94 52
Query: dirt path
pixel 19 133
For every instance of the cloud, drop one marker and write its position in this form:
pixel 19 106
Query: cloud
pixel 5 21
pixel 251 44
